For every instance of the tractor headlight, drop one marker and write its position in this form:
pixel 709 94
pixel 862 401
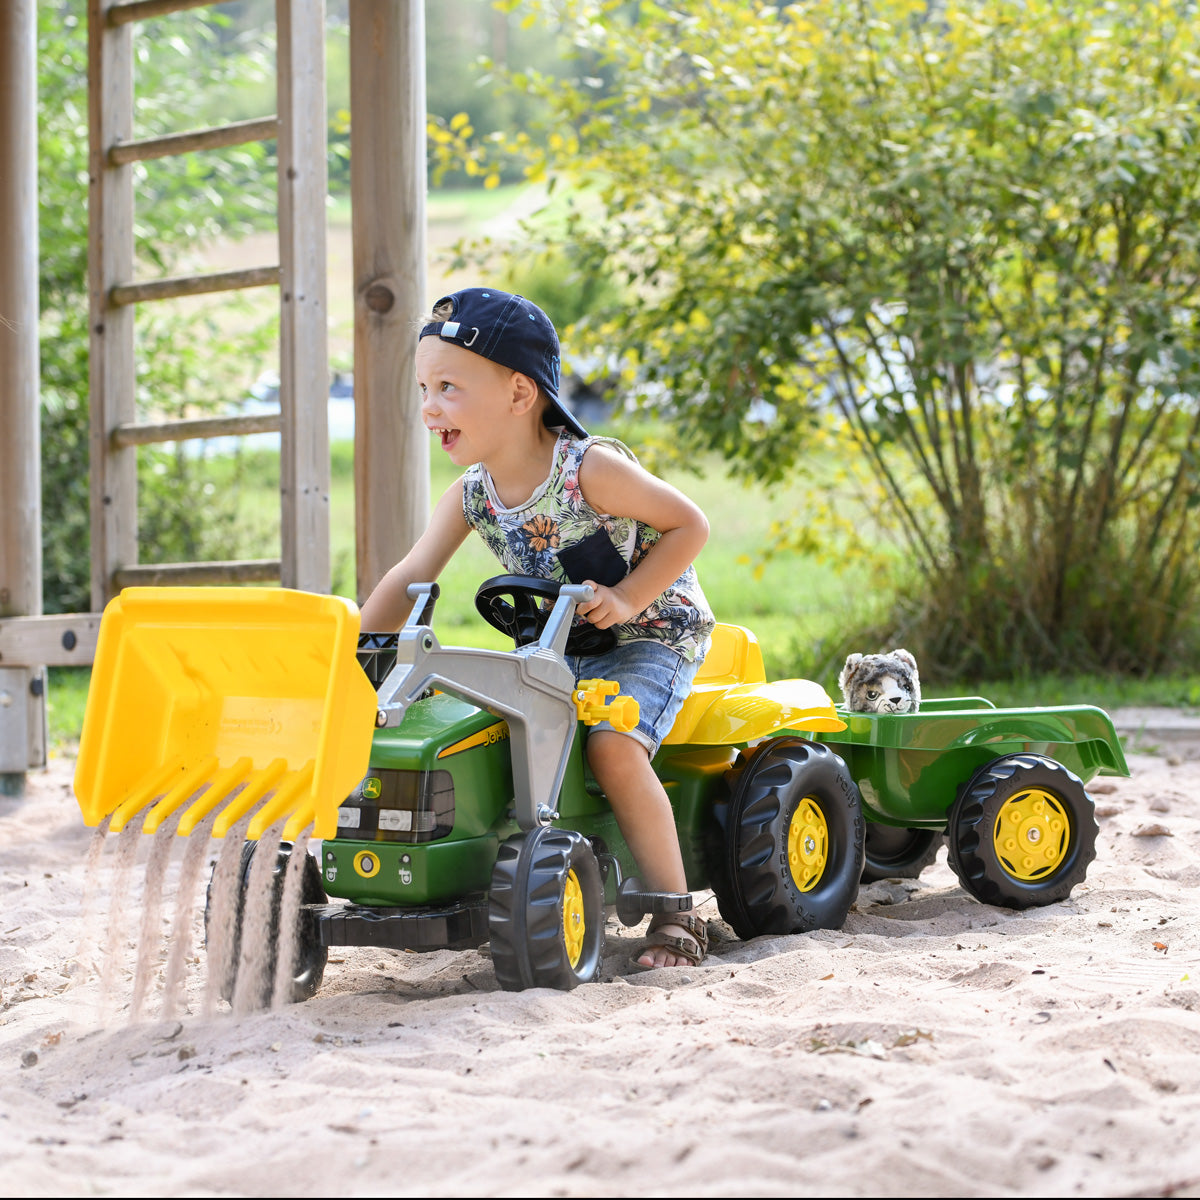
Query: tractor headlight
pixel 399 806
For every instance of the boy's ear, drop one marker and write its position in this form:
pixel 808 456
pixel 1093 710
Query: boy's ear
pixel 524 393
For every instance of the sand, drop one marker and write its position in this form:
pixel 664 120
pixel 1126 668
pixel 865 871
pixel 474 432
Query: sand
pixel 933 1046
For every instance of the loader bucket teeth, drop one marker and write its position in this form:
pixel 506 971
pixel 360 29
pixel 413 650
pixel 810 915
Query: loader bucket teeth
pixel 233 697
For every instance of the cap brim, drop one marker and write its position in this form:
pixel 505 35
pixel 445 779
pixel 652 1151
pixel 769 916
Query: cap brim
pixel 557 414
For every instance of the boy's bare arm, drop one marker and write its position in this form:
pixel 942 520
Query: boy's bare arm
pixel 616 486
pixel 388 605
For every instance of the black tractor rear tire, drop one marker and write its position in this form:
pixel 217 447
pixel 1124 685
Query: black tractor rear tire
pixel 1022 832
pixel 546 911
pixel 789 847
pixel 895 853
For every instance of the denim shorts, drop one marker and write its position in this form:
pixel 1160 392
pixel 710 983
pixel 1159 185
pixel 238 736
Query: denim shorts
pixel 657 677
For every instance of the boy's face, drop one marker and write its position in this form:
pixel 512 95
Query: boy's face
pixel 464 398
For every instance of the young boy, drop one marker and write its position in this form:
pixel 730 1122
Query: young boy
pixel 551 501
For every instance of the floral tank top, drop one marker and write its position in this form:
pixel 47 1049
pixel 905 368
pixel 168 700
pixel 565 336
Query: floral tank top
pixel 556 534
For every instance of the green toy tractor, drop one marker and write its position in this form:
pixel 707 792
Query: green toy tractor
pixel 466 814
pixel 478 820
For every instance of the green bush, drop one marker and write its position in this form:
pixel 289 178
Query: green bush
pixel 963 232
pixel 557 283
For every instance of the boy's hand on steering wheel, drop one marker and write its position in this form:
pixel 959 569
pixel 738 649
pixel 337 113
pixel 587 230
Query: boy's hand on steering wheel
pixel 607 606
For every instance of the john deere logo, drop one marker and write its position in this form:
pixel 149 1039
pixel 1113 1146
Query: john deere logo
pixel 372 788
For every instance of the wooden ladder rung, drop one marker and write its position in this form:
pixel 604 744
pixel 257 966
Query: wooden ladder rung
pixel 139 10
pixel 256 570
pixel 193 285
pixel 57 640
pixel 260 129
pixel 115 288
pixel 200 427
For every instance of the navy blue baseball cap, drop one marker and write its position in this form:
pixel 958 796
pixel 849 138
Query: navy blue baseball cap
pixel 511 331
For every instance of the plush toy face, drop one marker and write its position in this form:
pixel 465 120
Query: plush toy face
pixel 885 683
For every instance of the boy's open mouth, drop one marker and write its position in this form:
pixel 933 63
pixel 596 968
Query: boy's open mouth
pixel 448 437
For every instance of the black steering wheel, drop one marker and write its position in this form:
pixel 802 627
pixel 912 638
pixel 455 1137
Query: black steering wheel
pixel 511 604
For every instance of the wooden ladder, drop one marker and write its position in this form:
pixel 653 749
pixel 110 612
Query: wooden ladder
pixel 302 419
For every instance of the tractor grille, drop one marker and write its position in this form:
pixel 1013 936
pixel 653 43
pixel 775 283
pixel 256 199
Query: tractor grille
pixel 399 806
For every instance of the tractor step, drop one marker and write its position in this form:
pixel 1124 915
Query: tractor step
pixel 462 925
pixel 633 902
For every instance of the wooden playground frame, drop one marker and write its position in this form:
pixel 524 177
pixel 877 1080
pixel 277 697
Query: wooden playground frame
pixel 387 68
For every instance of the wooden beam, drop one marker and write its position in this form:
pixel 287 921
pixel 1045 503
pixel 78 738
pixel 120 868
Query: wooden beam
pixel 110 262
pixel 22 726
pixel 237 134
pixel 387 189
pixel 192 285
pixel 304 471
pixel 140 10
pixel 192 430
pixel 196 574
pixel 61 640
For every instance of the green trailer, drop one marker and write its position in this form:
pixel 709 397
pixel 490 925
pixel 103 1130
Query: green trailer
pixel 1003 787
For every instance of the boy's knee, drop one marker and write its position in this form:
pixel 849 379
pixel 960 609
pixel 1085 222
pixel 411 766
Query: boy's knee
pixel 606 747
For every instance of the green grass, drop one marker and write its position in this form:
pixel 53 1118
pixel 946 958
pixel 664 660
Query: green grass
pixel 66 697
pixel 465 207
pixel 471 207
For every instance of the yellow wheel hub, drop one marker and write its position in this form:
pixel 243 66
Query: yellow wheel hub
pixel 808 844
pixel 1032 833
pixel 574 924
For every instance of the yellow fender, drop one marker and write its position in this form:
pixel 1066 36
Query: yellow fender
pixel 207 695
pixel 732 702
pixel 748 711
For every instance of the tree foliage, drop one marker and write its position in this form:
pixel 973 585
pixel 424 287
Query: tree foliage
pixel 965 233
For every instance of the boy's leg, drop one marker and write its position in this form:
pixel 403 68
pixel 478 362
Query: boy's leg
pixel 622 768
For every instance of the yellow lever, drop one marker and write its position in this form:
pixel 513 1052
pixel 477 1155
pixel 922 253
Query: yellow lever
pixel 621 713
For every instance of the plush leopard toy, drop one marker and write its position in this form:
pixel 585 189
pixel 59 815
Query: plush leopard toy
pixel 883 683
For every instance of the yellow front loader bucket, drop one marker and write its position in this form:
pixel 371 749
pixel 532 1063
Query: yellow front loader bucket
pixel 209 694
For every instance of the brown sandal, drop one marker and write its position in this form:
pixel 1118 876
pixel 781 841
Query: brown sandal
pixel 693 948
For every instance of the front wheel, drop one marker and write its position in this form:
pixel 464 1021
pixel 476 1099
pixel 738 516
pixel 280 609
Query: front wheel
pixel 546 911
pixel 309 956
pixel 791 851
pixel 893 853
pixel 1022 832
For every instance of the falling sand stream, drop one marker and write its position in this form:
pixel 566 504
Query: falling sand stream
pixel 251 913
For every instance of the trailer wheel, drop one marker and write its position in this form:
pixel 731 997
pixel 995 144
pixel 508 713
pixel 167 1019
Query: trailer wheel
pixel 310 956
pixel 791 851
pixel 893 853
pixel 546 911
pixel 1022 832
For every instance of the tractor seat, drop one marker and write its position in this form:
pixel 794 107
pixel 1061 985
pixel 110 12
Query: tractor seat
pixel 734 656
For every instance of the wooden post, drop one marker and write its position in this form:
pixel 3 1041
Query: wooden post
pixel 20 442
pixel 111 393
pixel 387 190
pixel 22 687
pixel 303 351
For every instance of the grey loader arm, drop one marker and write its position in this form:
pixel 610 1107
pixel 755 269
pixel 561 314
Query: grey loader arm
pixel 531 687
